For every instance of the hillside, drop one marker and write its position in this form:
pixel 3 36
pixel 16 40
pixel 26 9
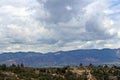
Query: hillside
pixel 19 72
pixel 62 58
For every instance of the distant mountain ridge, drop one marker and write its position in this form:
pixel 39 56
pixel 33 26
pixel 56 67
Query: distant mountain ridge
pixel 62 58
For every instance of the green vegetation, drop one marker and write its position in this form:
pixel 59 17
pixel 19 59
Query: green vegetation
pixel 91 72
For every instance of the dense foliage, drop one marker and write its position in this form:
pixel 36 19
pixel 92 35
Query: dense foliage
pixel 91 72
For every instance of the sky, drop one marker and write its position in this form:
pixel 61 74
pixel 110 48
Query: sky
pixel 55 25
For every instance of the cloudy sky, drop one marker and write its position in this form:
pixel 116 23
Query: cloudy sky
pixel 54 25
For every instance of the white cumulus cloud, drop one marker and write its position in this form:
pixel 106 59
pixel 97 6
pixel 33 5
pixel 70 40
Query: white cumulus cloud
pixel 53 25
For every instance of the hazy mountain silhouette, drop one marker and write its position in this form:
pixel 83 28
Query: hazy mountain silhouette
pixel 62 58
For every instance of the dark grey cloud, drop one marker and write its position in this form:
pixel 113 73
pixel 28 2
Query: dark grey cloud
pixel 81 22
pixel 59 9
pixel 95 31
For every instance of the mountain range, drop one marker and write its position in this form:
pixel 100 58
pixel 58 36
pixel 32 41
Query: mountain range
pixel 62 58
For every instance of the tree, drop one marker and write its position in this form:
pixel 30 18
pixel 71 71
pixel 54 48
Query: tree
pixel 22 65
pixel 3 67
